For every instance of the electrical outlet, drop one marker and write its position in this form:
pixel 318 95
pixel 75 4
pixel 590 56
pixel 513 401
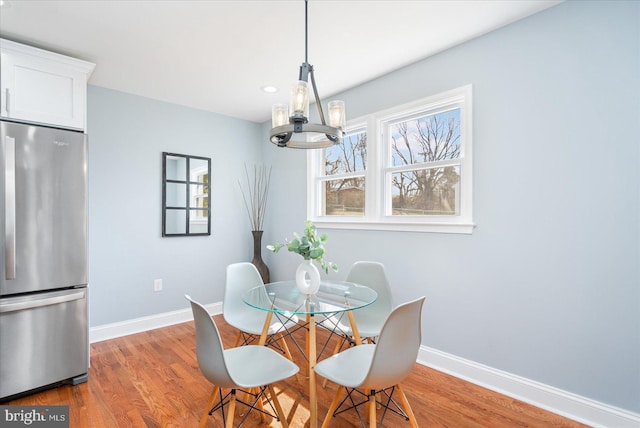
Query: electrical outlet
pixel 157 285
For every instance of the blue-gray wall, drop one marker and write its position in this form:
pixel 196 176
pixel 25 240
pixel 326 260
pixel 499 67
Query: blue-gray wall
pixel 127 135
pixel 548 285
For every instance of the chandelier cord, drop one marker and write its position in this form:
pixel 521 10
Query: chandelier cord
pixel 306 31
pixel 309 66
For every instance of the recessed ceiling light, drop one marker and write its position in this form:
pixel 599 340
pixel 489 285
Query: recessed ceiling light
pixel 270 89
pixel 5 4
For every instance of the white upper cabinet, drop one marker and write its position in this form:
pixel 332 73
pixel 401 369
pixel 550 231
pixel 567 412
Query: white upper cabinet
pixel 43 87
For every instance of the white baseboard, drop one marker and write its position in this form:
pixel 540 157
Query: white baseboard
pixel 561 402
pixel 137 325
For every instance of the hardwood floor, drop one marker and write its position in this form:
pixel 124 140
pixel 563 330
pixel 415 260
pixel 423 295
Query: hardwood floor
pixel 152 379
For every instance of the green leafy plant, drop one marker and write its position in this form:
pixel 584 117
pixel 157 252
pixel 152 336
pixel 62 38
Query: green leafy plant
pixel 310 246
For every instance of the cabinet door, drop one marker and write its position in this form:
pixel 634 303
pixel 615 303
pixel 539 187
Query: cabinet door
pixel 43 92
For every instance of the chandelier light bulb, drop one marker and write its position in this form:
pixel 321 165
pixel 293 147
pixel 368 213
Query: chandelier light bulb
pixel 279 115
pixel 299 104
pixel 337 116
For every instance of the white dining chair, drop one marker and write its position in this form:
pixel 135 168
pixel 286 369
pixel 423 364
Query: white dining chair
pixel 369 320
pixel 250 321
pixel 248 368
pixel 371 369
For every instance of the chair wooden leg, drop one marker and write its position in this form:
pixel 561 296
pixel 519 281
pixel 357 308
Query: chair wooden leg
pixel 407 407
pixel 276 403
pixel 260 405
pixel 238 337
pixel 285 347
pixel 333 406
pixel 248 396
pixel 338 345
pixel 372 409
pixel 232 409
pixel 212 399
pixel 287 353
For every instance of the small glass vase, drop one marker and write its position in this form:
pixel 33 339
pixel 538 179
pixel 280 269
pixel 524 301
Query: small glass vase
pixel 308 277
pixel 257 256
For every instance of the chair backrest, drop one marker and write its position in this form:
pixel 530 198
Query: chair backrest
pixel 372 275
pixel 240 278
pixel 397 348
pixel 209 348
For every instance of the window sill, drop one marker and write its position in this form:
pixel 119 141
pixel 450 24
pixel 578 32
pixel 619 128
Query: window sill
pixel 455 228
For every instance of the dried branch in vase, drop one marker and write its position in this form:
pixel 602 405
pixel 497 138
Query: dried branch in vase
pixel 255 196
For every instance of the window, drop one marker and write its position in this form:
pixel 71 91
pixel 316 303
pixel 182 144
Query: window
pixel 406 168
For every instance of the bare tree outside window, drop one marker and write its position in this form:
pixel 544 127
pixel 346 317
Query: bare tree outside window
pixel 347 162
pixel 429 147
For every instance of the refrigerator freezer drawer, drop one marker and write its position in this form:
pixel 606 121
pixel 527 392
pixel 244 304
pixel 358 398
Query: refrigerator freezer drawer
pixel 31 356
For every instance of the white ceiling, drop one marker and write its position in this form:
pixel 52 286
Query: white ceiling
pixel 216 55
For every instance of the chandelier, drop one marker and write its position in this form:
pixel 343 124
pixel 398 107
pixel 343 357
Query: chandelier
pixel 290 123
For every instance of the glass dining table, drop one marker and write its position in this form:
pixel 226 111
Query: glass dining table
pixel 333 299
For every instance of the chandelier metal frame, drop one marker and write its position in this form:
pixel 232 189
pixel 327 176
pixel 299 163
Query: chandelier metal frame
pixel 298 122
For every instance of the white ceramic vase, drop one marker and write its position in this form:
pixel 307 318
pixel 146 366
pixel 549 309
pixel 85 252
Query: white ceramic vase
pixel 308 277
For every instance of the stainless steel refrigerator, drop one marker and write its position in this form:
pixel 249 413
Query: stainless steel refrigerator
pixel 43 261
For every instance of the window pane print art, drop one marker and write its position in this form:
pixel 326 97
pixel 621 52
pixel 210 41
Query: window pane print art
pixel 434 191
pixel 186 195
pixel 427 138
pixel 348 157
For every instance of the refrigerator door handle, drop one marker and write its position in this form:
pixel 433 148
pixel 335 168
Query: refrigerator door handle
pixel 10 208
pixel 18 306
pixel 4 102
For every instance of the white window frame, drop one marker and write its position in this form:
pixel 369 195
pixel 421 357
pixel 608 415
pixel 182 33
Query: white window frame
pixel 377 187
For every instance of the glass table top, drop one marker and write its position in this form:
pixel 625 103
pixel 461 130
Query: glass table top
pixel 332 297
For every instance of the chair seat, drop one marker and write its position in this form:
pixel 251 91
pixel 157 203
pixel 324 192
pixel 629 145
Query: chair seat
pixel 368 326
pixel 252 321
pixel 349 367
pixel 253 366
